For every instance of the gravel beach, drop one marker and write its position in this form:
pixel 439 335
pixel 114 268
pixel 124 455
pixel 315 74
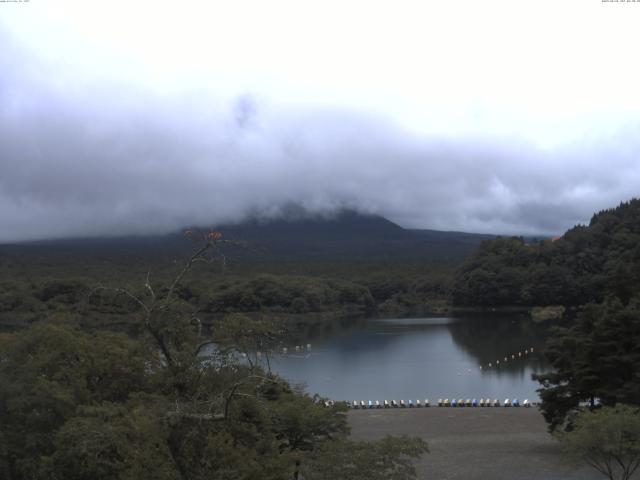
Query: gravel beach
pixel 475 443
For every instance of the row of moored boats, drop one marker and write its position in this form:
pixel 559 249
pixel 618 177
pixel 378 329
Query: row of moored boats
pixel 469 402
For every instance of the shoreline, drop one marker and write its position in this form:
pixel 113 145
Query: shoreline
pixel 474 443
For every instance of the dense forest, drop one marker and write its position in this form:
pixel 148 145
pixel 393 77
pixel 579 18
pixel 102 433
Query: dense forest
pixel 594 269
pixel 78 403
pixel 587 264
pixel 102 374
pixel 306 269
pixel 213 294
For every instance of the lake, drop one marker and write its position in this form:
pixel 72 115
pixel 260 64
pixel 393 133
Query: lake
pixel 418 358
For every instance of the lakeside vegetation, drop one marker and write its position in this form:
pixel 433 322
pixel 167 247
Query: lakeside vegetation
pixel 31 292
pixel 77 404
pixel 306 269
pixel 82 385
pixel 593 271
pixel 587 264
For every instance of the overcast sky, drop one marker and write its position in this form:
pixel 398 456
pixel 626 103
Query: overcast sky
pixel 489 116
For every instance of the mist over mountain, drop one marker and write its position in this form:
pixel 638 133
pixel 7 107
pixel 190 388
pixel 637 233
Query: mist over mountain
pixel 107 131
pixel 298 235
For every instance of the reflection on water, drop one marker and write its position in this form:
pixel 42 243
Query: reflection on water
pixel 418 358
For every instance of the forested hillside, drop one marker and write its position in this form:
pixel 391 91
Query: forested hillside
pixel 594 268
pixel 101 405
pixel 347 265
pixel 586 264
pixel 303 238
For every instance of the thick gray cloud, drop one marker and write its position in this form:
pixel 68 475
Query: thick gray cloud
pixel 89 158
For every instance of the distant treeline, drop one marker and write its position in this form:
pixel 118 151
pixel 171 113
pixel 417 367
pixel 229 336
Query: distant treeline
pixel 90 300
pixel 587 264
pixel 349 265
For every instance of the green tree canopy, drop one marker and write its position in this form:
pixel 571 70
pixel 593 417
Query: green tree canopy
pixel 607 439
pixel 598 358
pixel 77 405
pixel 587 264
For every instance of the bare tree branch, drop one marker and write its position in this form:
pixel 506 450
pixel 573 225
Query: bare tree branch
pixel 183 272
pixel 148 285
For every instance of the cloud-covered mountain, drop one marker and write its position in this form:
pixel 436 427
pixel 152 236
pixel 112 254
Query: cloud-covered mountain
pixel 107 135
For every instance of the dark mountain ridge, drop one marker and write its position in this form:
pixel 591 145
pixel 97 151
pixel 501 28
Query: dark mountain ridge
pixel 347 235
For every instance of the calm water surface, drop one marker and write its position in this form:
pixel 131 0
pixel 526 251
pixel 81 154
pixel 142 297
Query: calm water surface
pixel 417 358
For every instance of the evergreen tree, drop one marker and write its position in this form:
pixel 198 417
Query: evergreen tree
pixel 597 360
pixel 587 264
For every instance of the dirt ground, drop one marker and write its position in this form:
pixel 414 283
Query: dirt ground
pixel 475 443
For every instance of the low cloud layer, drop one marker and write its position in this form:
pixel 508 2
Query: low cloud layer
pixel 89 158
